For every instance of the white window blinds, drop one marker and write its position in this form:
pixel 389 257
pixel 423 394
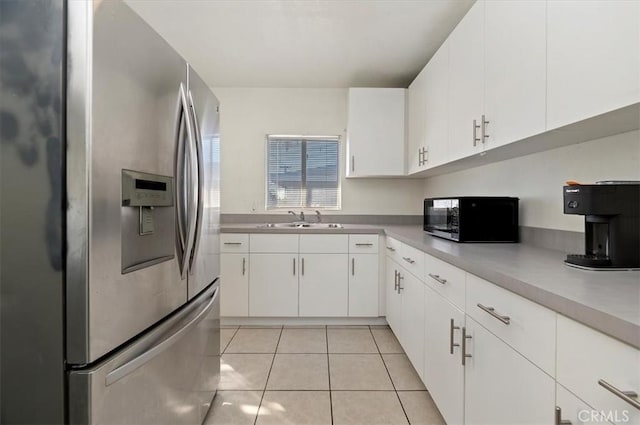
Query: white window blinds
pixel 302 172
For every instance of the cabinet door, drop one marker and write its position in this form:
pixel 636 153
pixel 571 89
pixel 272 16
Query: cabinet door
pixel 273 287
pixel 593 58
pixel 412 319
pixel 443 370
pixel 363 285
pixel 501 386
pixel 515 70
pixel 466 82
pixel 437 105
pixel 394 299
pixel 376 132
pixel 234 284
pixel 324 286
pixel 416 140
pixel 575 410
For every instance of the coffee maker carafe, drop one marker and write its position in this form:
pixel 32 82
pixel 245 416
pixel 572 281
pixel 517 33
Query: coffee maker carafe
pixel 612 224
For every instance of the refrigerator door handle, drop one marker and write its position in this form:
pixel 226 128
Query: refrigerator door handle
pixel 133 364
pixel 185 169
pixel 197 144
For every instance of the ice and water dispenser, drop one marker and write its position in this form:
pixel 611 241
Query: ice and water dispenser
pixel 147 220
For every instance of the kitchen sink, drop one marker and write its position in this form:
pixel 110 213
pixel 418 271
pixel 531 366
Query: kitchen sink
pixel 303 225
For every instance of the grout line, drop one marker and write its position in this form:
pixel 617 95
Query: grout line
pixel 228 343
pixel 268 376
pixel 390 379
pixel 326 337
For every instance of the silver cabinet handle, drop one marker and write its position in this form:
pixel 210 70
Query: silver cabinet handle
pixel 233 243
pixel 391 249
pixel 408 260
pixel 244 265
pixel 420 153
pixel 485 136
pixel 395 280
pixel 452 328
pixel 302 267
pixel 294 266
pixel 437 278
pixel 492 311
pixel 465 356
pixel 558 420
pixel 364 244
pixel 353 163
pixel 400 277
pixel 353 266
pixel 630 397
pixel 425 155
pixel 475 133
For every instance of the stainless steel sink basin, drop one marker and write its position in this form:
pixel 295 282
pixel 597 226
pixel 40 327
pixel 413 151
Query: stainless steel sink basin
pixel 303 225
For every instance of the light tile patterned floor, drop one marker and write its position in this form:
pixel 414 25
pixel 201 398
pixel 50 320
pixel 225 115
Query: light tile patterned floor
pixel 356 375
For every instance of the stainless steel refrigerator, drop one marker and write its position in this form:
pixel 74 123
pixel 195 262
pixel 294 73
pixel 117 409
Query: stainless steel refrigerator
pixel 110 220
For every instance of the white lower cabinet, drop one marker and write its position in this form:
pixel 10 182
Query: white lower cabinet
pixel 443 371
pixel 394 299
pixel 501 386
pixel 570 408
pixel 412 318
pixel 234 284
pixel 273 287
pixel 363 285
pixel 324 285
pixel 599 370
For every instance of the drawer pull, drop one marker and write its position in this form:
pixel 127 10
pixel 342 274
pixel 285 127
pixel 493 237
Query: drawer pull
pixel 492 311
pixel 391 249
pixel 559 420
pixel 452 328
pixel 364 244
pixel 465 356
pixel 437 278
pixel 244 265
pixel 233 243
pixel 630 397
pixel 408 260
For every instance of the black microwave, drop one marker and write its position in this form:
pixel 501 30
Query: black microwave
pixel 472 218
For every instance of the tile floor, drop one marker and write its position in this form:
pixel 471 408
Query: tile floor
pixel 323 375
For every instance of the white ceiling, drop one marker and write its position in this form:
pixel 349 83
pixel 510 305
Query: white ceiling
pixel 304 43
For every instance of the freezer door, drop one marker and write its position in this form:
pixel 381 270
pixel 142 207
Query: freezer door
pixel 205 258
pixel 123 95
pixel 167 376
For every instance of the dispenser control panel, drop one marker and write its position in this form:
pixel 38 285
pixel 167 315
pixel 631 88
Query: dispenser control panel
pixel 146 190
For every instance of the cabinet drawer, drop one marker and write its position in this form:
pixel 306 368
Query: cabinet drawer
pixel 273 243
pixel 526 326
pixel 447 280
pixel 324 244
pixel 587 357
pixel 392 248
pixel 234 242
pixel 412 260
pixel 363 244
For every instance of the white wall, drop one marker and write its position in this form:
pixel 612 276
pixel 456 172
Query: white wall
pixel 537 179
pixel 247 115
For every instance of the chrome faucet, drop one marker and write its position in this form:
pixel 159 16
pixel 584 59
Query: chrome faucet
pixel 318 216
pixel 296 215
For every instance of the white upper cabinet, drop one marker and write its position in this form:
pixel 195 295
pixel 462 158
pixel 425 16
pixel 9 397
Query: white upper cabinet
pixel 466 83
pixel 437 110
pixel 376 132
pixel 593 56
pixel 515 70
pixel 416 123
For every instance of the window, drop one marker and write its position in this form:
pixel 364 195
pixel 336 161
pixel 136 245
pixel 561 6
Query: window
pixel 302 172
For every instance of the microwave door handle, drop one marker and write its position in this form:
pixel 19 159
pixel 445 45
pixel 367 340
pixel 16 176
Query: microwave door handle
pixel 199 163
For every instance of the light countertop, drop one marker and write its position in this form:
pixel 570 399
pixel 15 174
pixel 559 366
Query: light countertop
pixel 608 301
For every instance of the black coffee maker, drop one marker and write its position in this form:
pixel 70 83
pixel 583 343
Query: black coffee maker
pixel 612 224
